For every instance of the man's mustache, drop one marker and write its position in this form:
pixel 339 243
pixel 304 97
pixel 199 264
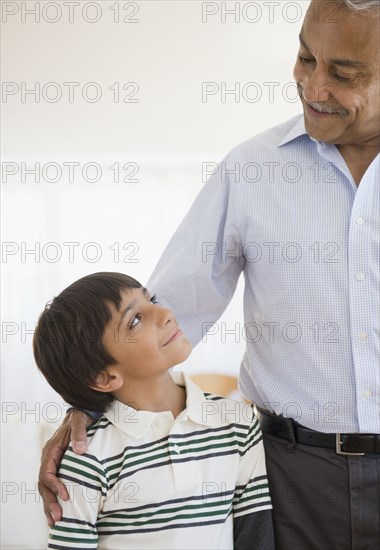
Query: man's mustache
pixel 323 107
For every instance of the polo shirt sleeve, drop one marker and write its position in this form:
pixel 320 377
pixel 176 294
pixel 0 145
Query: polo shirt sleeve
pixel 86 482
pixel 252 503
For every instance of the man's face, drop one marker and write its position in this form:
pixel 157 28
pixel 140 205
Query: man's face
pixel 338 74
pixel 143 337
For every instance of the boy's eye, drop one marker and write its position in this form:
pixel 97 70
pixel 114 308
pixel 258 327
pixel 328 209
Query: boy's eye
pixel 135 321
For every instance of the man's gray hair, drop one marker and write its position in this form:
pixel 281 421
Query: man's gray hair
pixel 360 5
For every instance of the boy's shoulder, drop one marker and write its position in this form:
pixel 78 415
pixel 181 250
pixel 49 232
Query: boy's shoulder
pixel 235 420
pixel 101 436
pixel 211 409
pixel 225 410
pixel 102 442
pixel 99 426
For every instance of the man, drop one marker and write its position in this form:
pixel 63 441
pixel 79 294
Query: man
pixel 297 209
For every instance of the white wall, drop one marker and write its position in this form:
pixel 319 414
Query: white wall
pixel 172 50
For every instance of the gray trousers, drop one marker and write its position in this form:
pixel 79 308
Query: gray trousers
pixel 321 500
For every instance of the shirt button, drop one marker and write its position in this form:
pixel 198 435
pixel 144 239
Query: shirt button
pixel 367 393
pixel 360 276
pixel 362 336
pixel 360 221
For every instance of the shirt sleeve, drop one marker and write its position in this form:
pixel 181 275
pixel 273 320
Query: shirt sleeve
pixel 254 531
pixel 198 271
pixel 86 482
pixel 252 503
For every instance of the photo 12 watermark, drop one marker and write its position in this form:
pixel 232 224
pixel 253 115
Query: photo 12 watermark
pixel 33 412
pixel 271 332
pixel 29 12
pixel 249 92
pixel 69 171
pixel 125 492
pixel 271 252
pixel 68 252
pixel 252 12
pixel 270 172
pixel 69 92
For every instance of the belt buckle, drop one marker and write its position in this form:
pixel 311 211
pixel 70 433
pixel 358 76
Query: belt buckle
pixel 339 447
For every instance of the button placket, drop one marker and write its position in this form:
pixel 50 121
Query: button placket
pixel 362 241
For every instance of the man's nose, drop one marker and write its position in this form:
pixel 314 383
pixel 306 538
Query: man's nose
pixel 318 87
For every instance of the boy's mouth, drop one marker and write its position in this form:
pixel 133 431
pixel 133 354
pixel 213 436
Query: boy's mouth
pixel 174 336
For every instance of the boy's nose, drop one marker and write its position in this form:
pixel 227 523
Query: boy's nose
pixel 165 316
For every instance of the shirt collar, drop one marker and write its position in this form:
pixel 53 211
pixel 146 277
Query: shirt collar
pixel 297 131
pixel 137 423
pixel 197 405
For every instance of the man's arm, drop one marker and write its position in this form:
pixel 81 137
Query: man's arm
pixel 74 429
pixel 198 271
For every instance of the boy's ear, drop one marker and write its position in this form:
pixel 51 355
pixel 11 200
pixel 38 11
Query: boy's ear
pixel 108 380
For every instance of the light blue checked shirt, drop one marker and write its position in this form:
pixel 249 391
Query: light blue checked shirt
pixel 284 209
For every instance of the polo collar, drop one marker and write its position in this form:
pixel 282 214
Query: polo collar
pixel 137 423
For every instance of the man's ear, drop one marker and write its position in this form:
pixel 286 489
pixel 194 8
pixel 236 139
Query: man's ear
pixel 108 380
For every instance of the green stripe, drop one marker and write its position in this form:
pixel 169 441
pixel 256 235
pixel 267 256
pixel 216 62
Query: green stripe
pixel 252 435
pixel 102 422
pixel 84 475
pixel 206 438
pixel 253 487
pixel 70 539
pixel 75 530
pixel 86 463
pixel 162 511
pixel 130 455
pixel 151 521
pixel 208 447
pixel 251 498
pixel 125 468
pixel 253 494
pixel 122 465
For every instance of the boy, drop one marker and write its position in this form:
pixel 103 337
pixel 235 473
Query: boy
pixel 167 465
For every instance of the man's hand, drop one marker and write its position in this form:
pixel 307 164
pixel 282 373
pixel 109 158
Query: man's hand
pixel 49 486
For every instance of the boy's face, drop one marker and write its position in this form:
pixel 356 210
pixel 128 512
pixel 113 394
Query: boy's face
pixel 143 337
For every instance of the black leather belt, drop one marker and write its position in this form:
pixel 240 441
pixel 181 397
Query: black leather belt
pixel 344 444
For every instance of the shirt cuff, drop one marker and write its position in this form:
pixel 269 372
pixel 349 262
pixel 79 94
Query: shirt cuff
pixel 95 415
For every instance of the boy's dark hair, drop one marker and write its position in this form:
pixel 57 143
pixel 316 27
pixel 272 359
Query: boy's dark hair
pixel 68 342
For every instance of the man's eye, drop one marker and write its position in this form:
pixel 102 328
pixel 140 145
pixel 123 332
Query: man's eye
pixel 134 321
pixel 153 299
pixel 341 78
pixel 305 60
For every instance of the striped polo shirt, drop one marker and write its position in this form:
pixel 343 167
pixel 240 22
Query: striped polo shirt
pixel 149 480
